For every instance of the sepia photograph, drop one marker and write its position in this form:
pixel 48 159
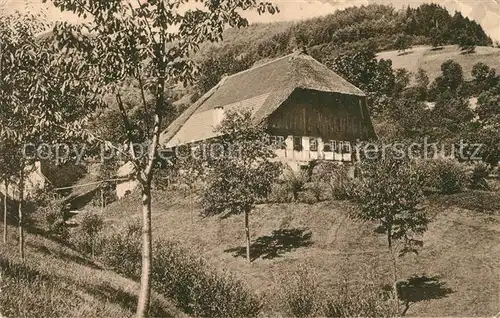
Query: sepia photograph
pixel 249 158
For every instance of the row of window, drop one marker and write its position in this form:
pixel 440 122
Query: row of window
pixel 278 142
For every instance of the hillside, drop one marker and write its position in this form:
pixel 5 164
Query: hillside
pixel 56 281
pixel 430 60
pixel 461 247
pixel 371 27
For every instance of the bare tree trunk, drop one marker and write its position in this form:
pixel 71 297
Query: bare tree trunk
pixel 405 310
pixel 147 254
pixel 20 211
pixel 102 200
pixel 247 234
pixel 143 304
pixel 5 212
pixel 394 268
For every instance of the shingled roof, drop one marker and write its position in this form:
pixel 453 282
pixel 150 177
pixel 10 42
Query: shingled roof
pixel 261 89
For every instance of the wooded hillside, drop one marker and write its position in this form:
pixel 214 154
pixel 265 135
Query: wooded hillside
pixel 378 27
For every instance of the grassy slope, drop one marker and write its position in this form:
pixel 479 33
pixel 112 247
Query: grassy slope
pixel 71 286
pixel 430 60
pixel 461 246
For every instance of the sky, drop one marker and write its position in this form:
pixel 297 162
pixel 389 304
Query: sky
pixel 486 12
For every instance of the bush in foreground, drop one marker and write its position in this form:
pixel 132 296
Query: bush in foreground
pixel 196 288
pixel 199 289
pixel 280 194
pixel 368 300
pixel 300 296
pixel 295 182
pixel 479 175
pixel 122 250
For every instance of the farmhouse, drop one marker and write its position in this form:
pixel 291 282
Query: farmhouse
pixel 310 112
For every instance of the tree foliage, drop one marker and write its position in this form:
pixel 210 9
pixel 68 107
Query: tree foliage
pixel 451 114
pixel 390 193
pixel 485 78
pixel 241 172
pixel 402 43
pixel 37 105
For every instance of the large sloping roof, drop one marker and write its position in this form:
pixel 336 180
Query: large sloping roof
pixel 262 89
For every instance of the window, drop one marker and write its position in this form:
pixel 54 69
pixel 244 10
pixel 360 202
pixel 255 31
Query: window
pixel 297 143
pixel 313 144
pixel 327 147
pixel 345 147
pixel 330 146
pixel 278 142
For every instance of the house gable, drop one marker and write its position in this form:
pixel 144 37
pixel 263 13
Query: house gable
pixel 322 114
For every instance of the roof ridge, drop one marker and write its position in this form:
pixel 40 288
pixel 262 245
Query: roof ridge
pixel 263 64
pixel 346 82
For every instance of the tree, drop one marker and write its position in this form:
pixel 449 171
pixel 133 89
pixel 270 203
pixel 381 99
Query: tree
pixel 10 159
pixel 451 115
pixel 411 116
pixel 422 83
pixel 389 193
pixel 466 42
pixel 149 44
pixel 485 77
pixel 401 81
pixel 438 37
pixel 402 43
pixel 488 136
pixel 32 95
pixel 362 68
pixel 358 68
pixel 243 173
pixel 463 33
pixel 451 80
pixel 488 103
pixel 488 126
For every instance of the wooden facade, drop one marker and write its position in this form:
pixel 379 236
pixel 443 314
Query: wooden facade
pixel 314 125
pixel 331 116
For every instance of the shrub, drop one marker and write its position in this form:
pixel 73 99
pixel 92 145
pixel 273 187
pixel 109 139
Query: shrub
pixel 122 250
pixel 87 239
pixel 444 175
pixel 337 177
pixel 309 197
pixel 316 189
pixel 280 194
pixel 54 219
pixel 367 300
pixel 295 181
pixel 198 289
pixel 49 214
pixel 299 294
pixel 478 178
